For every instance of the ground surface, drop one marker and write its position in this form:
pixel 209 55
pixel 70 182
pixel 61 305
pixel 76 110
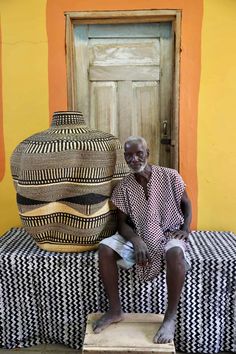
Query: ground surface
pixel 42 349
pixel 47 349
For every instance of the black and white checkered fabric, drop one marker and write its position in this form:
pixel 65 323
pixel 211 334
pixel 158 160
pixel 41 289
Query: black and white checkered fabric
pixel 45 297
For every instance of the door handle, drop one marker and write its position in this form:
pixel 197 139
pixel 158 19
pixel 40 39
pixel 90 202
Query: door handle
pixel 165 140
pixel 164 127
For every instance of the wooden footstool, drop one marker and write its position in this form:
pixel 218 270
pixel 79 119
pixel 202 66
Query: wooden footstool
pixel 132 335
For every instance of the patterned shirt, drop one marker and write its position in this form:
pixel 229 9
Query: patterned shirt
pixel 153 217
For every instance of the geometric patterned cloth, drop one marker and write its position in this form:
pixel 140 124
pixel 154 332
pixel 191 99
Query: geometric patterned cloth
pixel 45 297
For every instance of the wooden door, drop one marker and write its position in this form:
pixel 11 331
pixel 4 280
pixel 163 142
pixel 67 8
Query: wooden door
pixel 124 81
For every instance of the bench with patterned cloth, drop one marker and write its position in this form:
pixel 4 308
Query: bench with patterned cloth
pixel 45 297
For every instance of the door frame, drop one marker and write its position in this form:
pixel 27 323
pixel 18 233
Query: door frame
pixel 134 16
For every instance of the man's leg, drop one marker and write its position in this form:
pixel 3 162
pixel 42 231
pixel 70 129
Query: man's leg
pixel 175 280
pixel 109 274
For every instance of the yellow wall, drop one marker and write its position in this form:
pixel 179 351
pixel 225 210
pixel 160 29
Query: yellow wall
pixel 25 86
pixel 217 118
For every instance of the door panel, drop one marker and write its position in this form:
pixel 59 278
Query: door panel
pixel 124 51
pixel 147 30
pixel 124 73
pixel 124 81
pixel 146 115
pixel 103 106
pixel 125 107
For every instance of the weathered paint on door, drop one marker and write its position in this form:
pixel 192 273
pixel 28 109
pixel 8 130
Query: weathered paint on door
pixel 124 81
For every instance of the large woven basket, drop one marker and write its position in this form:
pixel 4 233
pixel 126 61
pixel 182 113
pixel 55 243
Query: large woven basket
pixel 64 177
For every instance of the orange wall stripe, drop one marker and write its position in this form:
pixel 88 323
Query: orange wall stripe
pixel 192 12
pixel 2 148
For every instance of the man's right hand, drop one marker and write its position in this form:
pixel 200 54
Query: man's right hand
pixel 141 254
pixel 142 257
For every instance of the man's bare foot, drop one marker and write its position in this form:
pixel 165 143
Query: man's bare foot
pixel 107 319
pixel 166 332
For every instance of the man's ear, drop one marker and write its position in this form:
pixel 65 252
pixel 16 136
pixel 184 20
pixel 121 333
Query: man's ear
pixel 147 152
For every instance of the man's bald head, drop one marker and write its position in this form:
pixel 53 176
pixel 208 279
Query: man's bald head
pixel 136 139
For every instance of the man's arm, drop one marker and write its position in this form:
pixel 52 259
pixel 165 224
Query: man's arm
pixel 142 257
pixel 187 212
pixel 186 208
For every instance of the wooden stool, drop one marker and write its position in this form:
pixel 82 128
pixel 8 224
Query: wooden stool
pixel 132 335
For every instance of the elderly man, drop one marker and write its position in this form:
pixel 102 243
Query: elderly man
pixel 154 215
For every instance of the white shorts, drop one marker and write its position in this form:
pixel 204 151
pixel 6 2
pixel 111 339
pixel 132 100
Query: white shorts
pixel 126 251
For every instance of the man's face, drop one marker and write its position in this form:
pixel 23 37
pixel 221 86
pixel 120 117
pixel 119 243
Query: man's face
pixel 136 156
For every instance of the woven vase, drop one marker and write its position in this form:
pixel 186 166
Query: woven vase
pixel 64 177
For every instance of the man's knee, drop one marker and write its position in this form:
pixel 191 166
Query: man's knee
pixel 174 256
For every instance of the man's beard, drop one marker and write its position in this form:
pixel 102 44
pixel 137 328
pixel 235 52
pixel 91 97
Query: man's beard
pixel 141 169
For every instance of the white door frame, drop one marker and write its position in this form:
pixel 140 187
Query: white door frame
pixel 135 16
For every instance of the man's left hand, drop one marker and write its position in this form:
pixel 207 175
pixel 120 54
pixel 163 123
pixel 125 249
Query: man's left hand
pixel 180 235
